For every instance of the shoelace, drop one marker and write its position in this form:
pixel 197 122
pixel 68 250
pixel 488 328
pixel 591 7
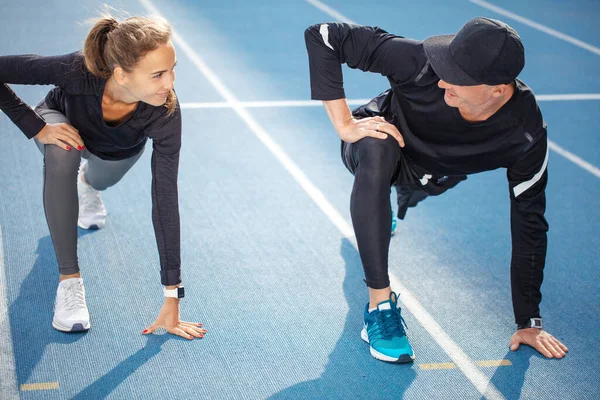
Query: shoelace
pixel 73 296
pixel 391 322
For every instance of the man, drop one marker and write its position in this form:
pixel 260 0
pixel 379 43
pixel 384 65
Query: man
pixel 455 108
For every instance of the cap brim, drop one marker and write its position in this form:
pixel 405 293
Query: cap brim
pixel 437 49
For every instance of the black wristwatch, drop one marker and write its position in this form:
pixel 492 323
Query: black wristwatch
pixel 532 323
pixel 178 293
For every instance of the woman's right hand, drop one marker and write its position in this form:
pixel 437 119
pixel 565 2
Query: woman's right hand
pixel 168 318
pixel 355 129
pixel 62 135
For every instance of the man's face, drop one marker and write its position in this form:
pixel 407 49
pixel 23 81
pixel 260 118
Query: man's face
pixel 467 96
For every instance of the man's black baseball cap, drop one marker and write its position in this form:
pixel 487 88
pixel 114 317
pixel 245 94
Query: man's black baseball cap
pixel 484 51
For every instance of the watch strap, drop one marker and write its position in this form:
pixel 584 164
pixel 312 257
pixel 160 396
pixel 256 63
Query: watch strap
pixel 532 323
pixel 177 293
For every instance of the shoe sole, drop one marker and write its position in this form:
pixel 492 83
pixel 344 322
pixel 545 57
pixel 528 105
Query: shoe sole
pixel 74 328
pixel 91 227
pixel 403 359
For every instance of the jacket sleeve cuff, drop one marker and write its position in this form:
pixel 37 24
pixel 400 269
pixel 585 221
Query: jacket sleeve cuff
pixel 170 277
pixel 326 96
pixel 32 126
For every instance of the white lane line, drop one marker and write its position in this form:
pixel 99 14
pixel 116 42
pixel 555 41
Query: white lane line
pixel 574 159
pixel 328 10
pixel 358 102
pixel 8 377
pixel 538 26
pixel 464 363
pixel 206 104
pixel 266 104
pixel 568 97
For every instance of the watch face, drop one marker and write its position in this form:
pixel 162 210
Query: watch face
pixel 180 292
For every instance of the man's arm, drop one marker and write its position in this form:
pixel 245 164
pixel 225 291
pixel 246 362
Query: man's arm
pixel 366 48
pixel 527 180
pixel 527 183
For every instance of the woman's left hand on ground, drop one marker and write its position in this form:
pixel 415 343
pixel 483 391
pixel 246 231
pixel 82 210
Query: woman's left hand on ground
pixel 540 340
pixel 168 318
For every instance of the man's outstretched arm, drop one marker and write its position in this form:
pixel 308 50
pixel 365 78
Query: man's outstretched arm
pixel 527 183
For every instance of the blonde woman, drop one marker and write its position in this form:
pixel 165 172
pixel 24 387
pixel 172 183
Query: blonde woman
pixel 109 99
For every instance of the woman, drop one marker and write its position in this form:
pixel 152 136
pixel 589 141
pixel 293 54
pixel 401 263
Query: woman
pixel 109 99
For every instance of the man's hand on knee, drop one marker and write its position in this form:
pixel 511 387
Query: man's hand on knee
pixel 377 127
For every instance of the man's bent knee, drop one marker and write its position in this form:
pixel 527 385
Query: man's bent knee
pixel 384 150
pixel 378 155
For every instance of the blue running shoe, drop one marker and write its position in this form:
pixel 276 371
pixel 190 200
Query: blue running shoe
pixel 385 334
pixel 394 223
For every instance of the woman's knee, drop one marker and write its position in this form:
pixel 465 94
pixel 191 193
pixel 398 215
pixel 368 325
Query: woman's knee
pixel 60 161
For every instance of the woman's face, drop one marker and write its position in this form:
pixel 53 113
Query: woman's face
pixel 153 78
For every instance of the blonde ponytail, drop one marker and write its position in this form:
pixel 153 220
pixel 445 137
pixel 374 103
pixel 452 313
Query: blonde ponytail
pixel 95 45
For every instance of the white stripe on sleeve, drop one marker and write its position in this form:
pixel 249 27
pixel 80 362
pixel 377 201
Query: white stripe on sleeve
pixel 523 186
pixel 324 31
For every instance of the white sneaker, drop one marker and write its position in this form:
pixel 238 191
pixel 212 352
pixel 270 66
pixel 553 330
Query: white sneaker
pixel 92 213
pixel 70 311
